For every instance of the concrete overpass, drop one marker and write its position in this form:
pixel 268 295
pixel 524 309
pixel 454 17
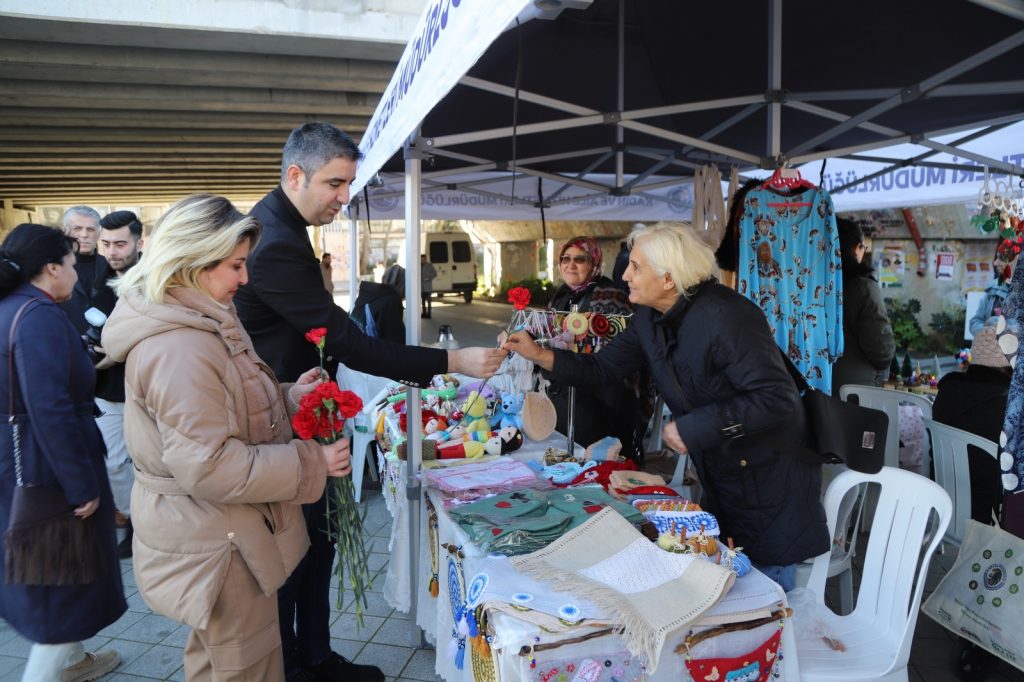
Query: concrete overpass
pixel 120 102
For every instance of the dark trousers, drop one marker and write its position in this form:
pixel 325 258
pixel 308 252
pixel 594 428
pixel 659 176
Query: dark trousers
pixel 304 601
pixel 425 297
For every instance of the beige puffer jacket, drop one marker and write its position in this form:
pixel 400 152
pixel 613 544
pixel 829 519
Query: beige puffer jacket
pixel 216 466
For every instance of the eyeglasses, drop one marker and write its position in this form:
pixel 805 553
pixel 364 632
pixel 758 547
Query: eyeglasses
pixel 578 259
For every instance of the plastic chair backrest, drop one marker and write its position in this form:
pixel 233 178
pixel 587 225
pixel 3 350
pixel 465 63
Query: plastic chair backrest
pixel 887 400
pixel 949 453
pixel 895 567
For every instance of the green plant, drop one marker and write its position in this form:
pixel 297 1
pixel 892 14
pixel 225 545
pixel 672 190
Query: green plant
pixel 948 328
pixel 903 318
pixel 541 290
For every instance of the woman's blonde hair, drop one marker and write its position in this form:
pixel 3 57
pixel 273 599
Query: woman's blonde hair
pixel 675 248
pixel 195 234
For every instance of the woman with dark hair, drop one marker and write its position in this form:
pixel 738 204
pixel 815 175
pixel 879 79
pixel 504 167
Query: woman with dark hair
pixel 47 381
pixel 869 343
pixel 617 409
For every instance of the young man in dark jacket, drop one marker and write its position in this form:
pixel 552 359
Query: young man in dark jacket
pixel 284 298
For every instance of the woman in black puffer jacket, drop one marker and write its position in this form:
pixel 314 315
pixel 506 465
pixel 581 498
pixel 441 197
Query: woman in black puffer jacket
pixel 717 367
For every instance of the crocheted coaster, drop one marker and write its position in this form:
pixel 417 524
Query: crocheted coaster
pixel 538 414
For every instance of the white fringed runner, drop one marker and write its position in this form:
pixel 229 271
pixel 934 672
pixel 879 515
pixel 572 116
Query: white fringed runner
pixel 647 591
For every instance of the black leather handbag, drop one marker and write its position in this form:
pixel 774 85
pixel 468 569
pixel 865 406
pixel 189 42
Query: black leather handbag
pixel 838 432
pixel 45 544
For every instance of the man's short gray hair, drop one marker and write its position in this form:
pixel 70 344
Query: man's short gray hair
pixel 314 144
pixel 86 211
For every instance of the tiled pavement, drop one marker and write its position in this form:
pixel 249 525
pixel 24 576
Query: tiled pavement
pixel 151 646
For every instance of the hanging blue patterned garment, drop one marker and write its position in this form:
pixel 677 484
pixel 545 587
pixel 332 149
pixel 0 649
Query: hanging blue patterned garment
pixel 789 265
pixel 1011 440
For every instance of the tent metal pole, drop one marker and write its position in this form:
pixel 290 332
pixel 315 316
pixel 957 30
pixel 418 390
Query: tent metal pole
pixel 974 89
pixel 994 164
pixel 836 116
pixel 1011 8
pixel 525 96
pixel 844 95
pixel 527 129
pixel 774 78
pixel 915 91
pixel 670 157
pixel 353 256
pixel 620 100
pixel 447 153
pixel 692 141
pixel 414 444
pixel 579 176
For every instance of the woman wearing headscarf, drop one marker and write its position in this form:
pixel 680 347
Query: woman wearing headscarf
pixel 46 373
pixel 618 408
pixel 869 343
pixel 219 477
pixel 724 379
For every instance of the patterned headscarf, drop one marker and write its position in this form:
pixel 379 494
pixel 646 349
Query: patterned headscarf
pixel 591 247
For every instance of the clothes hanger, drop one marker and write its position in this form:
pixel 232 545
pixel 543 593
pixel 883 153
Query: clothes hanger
pixel 787 179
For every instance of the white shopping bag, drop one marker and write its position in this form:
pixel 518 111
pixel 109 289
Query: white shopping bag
pixel 980 598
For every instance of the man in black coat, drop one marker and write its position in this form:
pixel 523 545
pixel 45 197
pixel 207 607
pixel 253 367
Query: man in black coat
pixel 285 298
pixel 120 241
pixel 83 224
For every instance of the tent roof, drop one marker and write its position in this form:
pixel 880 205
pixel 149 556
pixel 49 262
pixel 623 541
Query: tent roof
pixel 850 78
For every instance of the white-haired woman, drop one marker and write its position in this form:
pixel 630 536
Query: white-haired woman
pixel 722 376
pixel 219 477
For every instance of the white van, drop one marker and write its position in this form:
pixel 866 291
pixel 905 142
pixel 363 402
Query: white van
pixel 451 253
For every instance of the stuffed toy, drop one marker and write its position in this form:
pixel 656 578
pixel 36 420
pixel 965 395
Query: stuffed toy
pixel 508 411
pixel 425 417
pixel 505 441
pixel 475 413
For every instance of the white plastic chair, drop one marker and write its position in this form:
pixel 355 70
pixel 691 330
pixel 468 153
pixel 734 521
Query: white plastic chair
pixel 844 548
pixel 877 635
pixel 887 400
pixel 949 452
pixel 366 386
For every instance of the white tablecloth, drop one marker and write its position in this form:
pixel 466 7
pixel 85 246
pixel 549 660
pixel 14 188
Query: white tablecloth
pixel 434 615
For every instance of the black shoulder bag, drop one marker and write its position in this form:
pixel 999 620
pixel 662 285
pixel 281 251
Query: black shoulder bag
pixel 45 543
pixel 838 432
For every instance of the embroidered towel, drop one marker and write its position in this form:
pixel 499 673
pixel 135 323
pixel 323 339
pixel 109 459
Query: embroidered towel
pixel 649 592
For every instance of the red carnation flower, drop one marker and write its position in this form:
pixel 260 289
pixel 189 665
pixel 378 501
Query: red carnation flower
pixel 519 297
pixel 349 404
pixel 316 336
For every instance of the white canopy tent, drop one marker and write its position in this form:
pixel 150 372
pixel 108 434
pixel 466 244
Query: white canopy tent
pixel 610 87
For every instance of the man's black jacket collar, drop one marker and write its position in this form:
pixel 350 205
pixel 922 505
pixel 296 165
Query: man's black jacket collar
pixel 280 205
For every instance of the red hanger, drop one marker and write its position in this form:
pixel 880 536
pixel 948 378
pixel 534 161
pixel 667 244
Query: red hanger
pixel 788 178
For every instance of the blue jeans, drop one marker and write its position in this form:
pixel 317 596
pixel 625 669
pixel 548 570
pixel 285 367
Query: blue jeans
pixel 304 601
pixel 783 575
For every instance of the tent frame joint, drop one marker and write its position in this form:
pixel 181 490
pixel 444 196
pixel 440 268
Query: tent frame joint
pixel 776 96
pixel 611 116
pixel 910 93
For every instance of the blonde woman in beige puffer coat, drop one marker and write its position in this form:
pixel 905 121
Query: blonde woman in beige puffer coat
pixel 219 476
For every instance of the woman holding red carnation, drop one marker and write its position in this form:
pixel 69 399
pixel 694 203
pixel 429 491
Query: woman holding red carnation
pixel 219 476
pixel 621 409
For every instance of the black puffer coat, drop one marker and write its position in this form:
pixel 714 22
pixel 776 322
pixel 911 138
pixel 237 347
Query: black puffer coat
pixel 720 372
